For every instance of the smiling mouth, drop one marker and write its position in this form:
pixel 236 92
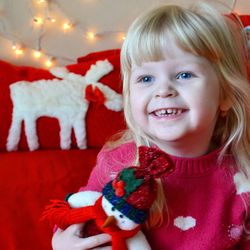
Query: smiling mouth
pixel 167 112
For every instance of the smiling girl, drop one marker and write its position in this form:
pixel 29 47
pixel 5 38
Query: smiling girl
pixel 186 93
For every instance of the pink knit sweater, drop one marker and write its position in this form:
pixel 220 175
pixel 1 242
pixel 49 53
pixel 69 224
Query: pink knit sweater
pixel 204 200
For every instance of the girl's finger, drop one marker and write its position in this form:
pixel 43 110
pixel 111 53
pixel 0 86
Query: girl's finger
pixel 58 231
pixel 75 229
pixel 94 241
pixel 103 248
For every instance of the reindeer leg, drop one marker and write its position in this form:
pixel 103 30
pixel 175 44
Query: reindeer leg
pixel 14 133
pixel 65 133
pixel 30 131
pixel 79 127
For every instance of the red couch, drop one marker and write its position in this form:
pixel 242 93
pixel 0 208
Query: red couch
pixel 29 179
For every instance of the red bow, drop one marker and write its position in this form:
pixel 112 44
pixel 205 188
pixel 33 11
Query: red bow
pixel 94 94
pixel 153 163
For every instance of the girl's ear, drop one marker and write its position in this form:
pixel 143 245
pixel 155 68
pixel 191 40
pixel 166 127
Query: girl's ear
pixel 224 106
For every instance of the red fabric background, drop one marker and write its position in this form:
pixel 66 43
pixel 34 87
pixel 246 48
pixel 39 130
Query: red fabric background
pixel 28 180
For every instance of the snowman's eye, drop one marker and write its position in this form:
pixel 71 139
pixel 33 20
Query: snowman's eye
pixel 121 215
pixel 113 208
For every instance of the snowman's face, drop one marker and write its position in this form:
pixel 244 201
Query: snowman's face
pixel 122 221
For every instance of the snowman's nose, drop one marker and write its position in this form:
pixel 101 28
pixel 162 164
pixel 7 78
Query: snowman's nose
pixel 109 221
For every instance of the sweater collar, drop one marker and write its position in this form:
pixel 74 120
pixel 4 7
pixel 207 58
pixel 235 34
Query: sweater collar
pixel 202 165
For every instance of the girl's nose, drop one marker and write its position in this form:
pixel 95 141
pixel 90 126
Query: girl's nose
pixel 166 91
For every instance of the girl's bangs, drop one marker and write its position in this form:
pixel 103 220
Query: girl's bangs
pixel 148 47
pixel 151 44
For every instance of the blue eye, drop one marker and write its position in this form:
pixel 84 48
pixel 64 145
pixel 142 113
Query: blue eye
pixel 184 75
pixel 146 79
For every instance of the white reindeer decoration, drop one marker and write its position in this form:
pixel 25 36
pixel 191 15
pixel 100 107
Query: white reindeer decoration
pixel 59 98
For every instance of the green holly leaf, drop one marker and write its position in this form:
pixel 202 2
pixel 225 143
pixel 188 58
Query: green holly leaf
pixel 131 183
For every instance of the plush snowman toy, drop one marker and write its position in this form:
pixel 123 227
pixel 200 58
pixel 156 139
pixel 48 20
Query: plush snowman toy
pixel 121 208
pixel 114 216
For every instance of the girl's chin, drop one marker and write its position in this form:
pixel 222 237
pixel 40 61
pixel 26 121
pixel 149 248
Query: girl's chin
pixel 162 135
pixel 167 139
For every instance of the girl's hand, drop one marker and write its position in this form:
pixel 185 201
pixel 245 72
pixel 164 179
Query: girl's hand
pixel 69 239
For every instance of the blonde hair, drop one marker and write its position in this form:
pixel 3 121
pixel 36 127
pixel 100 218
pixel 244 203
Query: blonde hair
pixel 205 32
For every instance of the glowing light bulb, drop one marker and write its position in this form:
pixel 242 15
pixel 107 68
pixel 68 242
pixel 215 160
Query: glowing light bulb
pixel 19 51
pixel 121 36
pixel 49 62
pixel 38 20
pixel 67 26
pixel 53 20
pixel 17 48
pixel 41 1
pixel 14 47
pixel 91 35
pixel 37 53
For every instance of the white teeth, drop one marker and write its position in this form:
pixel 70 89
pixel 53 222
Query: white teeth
pixel 169 111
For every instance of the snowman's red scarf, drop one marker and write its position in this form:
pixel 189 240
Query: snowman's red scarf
pixel 61 214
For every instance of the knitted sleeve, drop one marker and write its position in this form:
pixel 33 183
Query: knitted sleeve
pixel 109 163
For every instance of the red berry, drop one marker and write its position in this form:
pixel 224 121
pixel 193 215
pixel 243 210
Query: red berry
pixel 114 184
pixel 119 192
pixel 120 184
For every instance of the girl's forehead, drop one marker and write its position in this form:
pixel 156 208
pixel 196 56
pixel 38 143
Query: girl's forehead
pixel 173 51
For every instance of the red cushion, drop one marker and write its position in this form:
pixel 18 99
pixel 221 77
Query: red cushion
pixel 245 19
pixel 39 177
pixel 100 55
pixel 98 125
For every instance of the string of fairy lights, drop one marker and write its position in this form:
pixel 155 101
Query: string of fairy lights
pixel 41 21
pixel 42 15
